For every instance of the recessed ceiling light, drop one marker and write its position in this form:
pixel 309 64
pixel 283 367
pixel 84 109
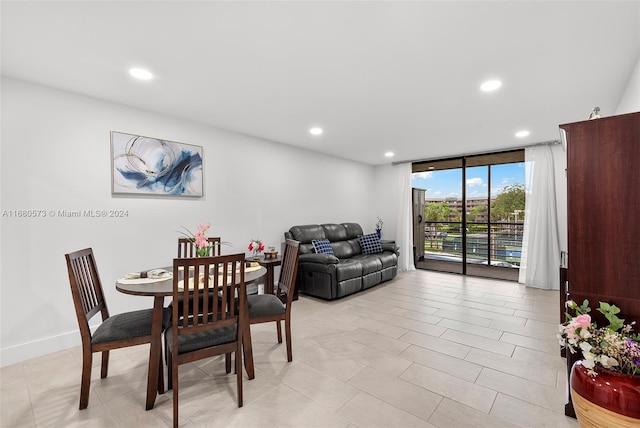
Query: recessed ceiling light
pixel 141 73
pixel 522 134
pixel 315 131
pixel 490 85
pixel 389 154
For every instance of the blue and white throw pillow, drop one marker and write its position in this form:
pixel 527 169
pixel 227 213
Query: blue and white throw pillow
pixel 370 244
pixel 322 246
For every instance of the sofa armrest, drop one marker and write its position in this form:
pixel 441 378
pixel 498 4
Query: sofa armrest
pixel 323 259
pixel 390 246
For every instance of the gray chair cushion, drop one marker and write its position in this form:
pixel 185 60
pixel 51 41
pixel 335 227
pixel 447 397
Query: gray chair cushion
pixel 166 317
pixel 264 305
pixel 124 326
pixel 205 339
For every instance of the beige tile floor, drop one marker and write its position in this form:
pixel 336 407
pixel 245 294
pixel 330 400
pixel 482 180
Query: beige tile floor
pixel 426 350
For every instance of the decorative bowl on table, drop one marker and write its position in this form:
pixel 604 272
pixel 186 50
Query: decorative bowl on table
pixel 270 255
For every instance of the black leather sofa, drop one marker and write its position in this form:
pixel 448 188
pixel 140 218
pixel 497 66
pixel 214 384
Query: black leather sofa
pixel 348 270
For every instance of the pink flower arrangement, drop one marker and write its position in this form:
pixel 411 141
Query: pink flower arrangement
pixel 200 241
pixel 615 347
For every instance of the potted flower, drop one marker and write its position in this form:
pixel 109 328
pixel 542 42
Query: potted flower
pixel 200 241
pixel 256 246
pixel 379 227
pixel 605 384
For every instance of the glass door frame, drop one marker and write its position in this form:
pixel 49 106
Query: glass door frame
pixel 464 162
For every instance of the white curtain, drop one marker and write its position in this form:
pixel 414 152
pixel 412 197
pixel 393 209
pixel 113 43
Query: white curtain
pixel 404 225
pixel 540 259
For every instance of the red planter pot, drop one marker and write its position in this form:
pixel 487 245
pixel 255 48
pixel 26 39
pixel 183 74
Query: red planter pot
pixel 609 399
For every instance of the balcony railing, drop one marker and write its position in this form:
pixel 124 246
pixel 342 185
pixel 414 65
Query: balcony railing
pixel 497 244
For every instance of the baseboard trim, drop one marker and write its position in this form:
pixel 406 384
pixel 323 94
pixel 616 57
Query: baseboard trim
pixel 37 348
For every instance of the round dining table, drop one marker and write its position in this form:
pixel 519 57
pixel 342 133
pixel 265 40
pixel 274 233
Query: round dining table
pixel 158 289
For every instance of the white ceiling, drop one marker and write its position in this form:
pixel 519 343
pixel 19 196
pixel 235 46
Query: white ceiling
pixel 377 76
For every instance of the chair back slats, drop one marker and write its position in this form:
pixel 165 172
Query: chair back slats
pixel 86 283
pixel 86 289
pixel 289 269
pixel 213 283
pixel 187 249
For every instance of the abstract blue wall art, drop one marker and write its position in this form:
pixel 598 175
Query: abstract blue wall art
pixel 144 165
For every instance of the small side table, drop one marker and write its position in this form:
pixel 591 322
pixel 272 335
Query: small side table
pixel 270 264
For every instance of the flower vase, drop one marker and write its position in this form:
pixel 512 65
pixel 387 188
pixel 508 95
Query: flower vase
pixel 379 233
pixel 202 252
pixel 256 255
pixel 609 399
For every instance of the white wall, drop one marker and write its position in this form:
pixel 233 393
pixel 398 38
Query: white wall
pixel 55 155
pixel 630 101
pixel 385 196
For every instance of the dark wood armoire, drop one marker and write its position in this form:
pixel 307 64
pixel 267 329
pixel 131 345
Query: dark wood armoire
pixel 603 217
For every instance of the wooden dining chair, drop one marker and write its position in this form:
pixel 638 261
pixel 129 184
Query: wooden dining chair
pixel 186 248
pixel 115 331
pixel 211 325
pixel 277 307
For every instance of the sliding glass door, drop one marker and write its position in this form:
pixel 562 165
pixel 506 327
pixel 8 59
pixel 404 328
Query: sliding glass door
pixel 472 215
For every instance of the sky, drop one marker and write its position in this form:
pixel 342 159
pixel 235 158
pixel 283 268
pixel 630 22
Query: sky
pixel 448 183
